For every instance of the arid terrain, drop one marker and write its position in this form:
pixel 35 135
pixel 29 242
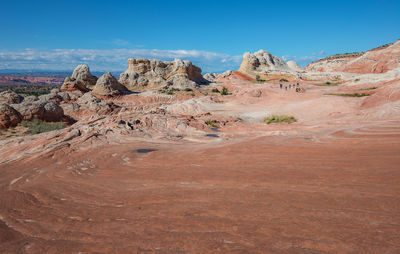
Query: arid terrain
pixel 164 160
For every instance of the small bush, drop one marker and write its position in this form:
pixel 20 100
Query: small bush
pixel 283 80
pixel 224 91
pixel 38 126
pixel 259 79
pixel 215 90
pixel 356 80
pixel 188 89
pixel 328 84
pixel 212 123
pixel 369 88
pixel 280 119
pixel 349 94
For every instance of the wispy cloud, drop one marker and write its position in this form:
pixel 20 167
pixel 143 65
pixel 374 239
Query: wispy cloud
pixel 116 59
pixel 304 60
pixel 110 59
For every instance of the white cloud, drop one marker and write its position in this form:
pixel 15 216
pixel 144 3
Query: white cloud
pixel 110 59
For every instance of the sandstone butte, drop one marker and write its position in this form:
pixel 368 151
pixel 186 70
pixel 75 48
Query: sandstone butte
pixel 164 160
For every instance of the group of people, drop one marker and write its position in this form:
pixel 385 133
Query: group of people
pixel 291 86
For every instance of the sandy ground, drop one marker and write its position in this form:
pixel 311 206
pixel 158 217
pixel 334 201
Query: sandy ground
pixel 326 184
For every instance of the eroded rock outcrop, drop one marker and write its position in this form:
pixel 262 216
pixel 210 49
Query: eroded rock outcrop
pixel 108 85
pixel 378 60
pixel 81 80
pixel 263 63
pixel 10 97
pixel 41 109
pixel 9 117
pixel 144 73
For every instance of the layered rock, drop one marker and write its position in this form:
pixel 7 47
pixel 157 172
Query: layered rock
pixel 9 117
pixel 108 85
pixel 144 73
pixel 81 80
pixel 378 60
pixel 263 63
pixel 333 63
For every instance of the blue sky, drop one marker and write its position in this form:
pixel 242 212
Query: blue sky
pixel 58 35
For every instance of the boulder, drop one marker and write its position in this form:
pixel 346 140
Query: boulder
pixel 143 74
pixel 43 110
pixel 108 85
pixel 81 80
pixel 90 102
pixel 30 98
pixel 65 96
pixel 9 117
pixel 10 97
pixel 54 97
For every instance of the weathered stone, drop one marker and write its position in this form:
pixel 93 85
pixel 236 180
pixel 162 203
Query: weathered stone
pixel 108 85
pixel 143 74
pixel 81 79
pixel 51 97
pixel 43 110
pixel 9 117
pixel 10 97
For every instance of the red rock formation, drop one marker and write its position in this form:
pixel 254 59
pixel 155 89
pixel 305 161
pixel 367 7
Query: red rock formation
pixel 378 60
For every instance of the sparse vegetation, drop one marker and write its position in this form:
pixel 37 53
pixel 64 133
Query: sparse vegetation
pixel 36 90
pixel 356 80
pixel 188 89
pixel 328 84
pixel 369 88
pixel 212 123
pixel 169 91
pixel 259 79
pixel 224 91
pixel 283 80
pixel 38 126
pixel 349 94
pixel 280 119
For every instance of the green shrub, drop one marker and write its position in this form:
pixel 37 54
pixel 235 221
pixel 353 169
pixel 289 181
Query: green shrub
pixel 224 91
pixel 215 90
pixel 38 126
pixel 283 80
pixel 212 123
pixel 280 119
pixel 188 89
pixel 369 88
pixel 349 94
pixel 356 80
pixel 328 84
pixel 259 79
